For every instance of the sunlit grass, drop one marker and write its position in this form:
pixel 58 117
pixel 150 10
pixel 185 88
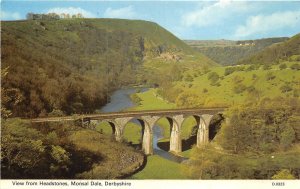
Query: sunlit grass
pixel 224 93
pixel 150 100
pixel 160 168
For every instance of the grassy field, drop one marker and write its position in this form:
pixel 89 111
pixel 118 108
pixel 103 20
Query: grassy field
pixel 160 168
pixel 150 100
pixel 132 133
pixel 238 86
pixel 154 169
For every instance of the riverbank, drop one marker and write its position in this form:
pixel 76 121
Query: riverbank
pixel 136 99
pixel 171 169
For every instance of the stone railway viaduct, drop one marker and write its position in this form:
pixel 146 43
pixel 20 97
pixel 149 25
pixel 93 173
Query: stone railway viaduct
pixel 148 119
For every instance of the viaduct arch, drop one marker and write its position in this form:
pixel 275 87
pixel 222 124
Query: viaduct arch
pixel 147 120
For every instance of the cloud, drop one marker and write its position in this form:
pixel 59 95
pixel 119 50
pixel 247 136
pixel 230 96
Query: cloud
pixel 71 11
pixel 125 12
pixel 214 13
pixel 262 24
pixel 10 15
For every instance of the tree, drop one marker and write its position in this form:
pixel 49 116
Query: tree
pixel 9 97
pixel 213 77
pixel 282 66
pixel 283 175
pixel 270 76
pixel 22 146
pixel 287 136
pixel 61 160
pixel 239 88
pixel 189 78
pixel 295 66
pixel 251 67
pixel 285 88
pixel 235 133
pixel 266 67
pixel 229 70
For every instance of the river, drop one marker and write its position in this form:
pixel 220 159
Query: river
pixel 119 101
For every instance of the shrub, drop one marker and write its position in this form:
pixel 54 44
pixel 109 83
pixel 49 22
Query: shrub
pixel 237 79
pixel 213 77
pixel 266 67
pixel 239 88
pixel 285 88
pixel 283 174
pixel 295 66
pixel 189 78
pixel 251 89
pixel 270 76
pixel 240 68
pixel 229 70
pixel 282 66
pixel 250 68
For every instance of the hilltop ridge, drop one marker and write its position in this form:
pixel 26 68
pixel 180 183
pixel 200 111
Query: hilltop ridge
pixel 286 50
pixel 229 52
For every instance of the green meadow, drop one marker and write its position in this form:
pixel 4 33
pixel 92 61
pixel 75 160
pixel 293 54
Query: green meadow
pixel 215 88
pixel 160 168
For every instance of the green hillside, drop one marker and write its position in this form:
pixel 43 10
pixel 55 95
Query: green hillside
pixel 72 65
pixel 228 52
pixel 287 50
pixel 226 86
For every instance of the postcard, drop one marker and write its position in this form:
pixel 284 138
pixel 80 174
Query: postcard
pixel 155 94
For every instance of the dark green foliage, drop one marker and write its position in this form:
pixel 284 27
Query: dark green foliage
pixel 229 70
pixel 134 97
pixel 282 66
pixel 176 73
pixel 213 77
pixel 208 163
pixel 270 76
pixel 47 151
pixel 258 141
pixel 296 92
pixel 287 137
pixel 251 89
pixel 266 67
pixel 19 144
pixel 283 174
pixel 251 67
pixel 286 88
pixel 188 78
pixel 260 128
pixel 295 66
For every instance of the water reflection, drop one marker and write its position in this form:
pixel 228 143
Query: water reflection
pixel 120 100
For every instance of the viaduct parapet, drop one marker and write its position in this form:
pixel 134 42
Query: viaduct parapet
pixel 147 119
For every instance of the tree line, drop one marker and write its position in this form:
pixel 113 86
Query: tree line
pixel 52 16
